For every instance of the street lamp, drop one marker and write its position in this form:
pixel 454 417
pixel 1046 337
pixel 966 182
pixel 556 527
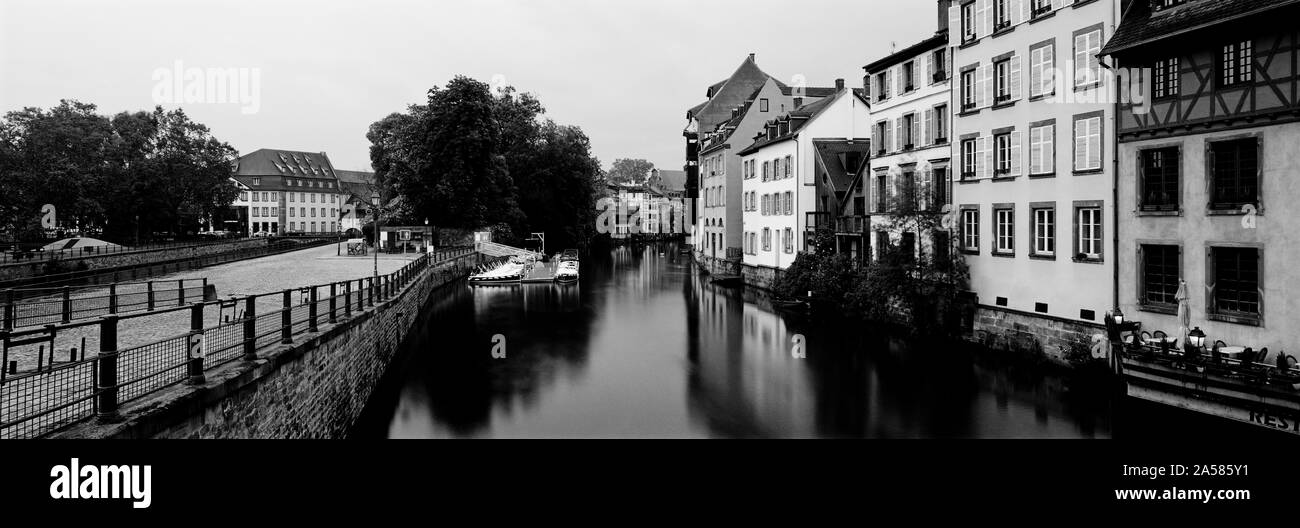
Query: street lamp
pixel 374 204
pixel 1196 338
pixel 1118 316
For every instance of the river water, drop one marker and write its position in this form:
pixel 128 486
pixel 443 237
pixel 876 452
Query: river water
pixel 645 346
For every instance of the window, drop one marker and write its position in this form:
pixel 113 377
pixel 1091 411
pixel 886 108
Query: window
pixel 275 211
pixel 882 85
pixel 882 131
pixel 909 79
pixel 313 212
pixel 767 239
pixel 967 22
pixel 938 63
pixel 1041 7
pixel 291 211
pixel 762 105
pixel 766 204
pixel 1005 218
pixel 767 171
pixel 1001 14
pixel 1087 66
pixel 1160 5
pixel 940 124
pixel 942 191
pixel 1235 281
pixel 969 159
pixel 290 197
pixel 1087 142
pixel 313 197
pixel 1044 231
pixel 302 212
pixel 909 122
pixel 881 194
pixel 968 100
pixel 1235 65
pixel 788 240
pixel 257 181
pixel 1088 239
pixel 1042 70
pixel 1234 169
pixel 787 165
pixel 1042 149
pixel 789 203
pixel 1002 154
pixel 1165 81
pixel 970 230
pixel 1159 179
pixel 1160 275
pixel 243 196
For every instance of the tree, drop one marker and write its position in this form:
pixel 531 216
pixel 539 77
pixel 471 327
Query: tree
pixel 630 170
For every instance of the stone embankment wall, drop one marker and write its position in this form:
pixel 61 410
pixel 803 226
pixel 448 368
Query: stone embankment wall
pixel 131 258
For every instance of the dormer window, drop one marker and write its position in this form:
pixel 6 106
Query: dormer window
pixel 1160 5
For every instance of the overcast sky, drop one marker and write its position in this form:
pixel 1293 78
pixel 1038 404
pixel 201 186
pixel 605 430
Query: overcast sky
pixel 625 71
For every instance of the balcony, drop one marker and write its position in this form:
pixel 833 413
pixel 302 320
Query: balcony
pixel 818 220
pixel 851 225
pixel 1042 10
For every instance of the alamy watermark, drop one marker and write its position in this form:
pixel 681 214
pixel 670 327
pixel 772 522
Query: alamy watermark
pixel 182 85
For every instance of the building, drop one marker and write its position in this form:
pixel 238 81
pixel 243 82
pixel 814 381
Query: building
pixel 1034 191
pixel 671 187
pixel 1207 137
pixel 287 191
pixel 355 209
pixel 737 108
pixel 910 130
pixel 786 175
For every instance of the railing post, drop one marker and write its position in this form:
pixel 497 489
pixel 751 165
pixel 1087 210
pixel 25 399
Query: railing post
pixel 347 299
pixel 180 292
pixel 112 298
pixel 150 295
pixel 106 366
pixel 250 328
pixel 370 291
pixel 196 345
pixel 311 311
pixel 67 303
pixel 286 319
pixel 7 321
pixel 333 299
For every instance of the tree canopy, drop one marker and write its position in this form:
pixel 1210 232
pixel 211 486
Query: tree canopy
pixel 102 173
pixel 630 170
pixel 471 158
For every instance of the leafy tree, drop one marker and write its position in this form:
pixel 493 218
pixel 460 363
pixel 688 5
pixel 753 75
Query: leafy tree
pixel 630 170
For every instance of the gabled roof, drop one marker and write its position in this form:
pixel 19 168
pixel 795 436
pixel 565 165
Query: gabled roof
pixel 1140 26
pixel 828 155
pixel 276 162
pixel 747 77
pixel 939 39
pixel 801 116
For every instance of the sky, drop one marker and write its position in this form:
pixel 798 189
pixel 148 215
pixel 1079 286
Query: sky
pixel 316 74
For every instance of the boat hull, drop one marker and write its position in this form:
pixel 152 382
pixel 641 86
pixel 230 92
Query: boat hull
pixel 1271 406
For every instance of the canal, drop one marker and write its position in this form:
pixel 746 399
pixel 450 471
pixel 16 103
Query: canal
pixel 645 346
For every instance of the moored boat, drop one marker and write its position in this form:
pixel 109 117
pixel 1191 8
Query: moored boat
pixel 566 271
pixel 508 272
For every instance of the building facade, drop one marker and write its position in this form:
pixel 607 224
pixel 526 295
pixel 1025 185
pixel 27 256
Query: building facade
pixel 286 191
pixel 737 108
pixel 1207 138
pixel 1034 114
pixel 911 118
pixel 789 177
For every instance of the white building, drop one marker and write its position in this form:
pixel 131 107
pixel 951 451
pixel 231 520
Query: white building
pixel 779 176
pixel 910 120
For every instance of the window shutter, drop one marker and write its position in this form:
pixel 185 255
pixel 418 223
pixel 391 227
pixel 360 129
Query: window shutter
pixel 1022 9
pixel 986 87
pixel 927 183
pixel 926 122
pixel 875 137
pixel 947 195
pixel 954 23
pixel 1015 78
pixel 899 138
pixel 1080 144
pixel 916 130
pixel 985 18
pixel 888 145
pixel 1016 163
pixel 1094 146
pixel 982 155
pixel 922 65
pixel 1049 148
pixel 929 68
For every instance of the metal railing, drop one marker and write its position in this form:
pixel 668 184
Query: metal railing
pixel 11 254
pixel 38 306
pixel 58 394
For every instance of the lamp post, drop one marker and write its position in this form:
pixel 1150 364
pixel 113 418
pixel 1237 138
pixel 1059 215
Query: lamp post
pixel 1118 316
pixel 374 204
pixel 1196 338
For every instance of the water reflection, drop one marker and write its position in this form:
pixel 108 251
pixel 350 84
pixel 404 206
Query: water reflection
pixel 645 346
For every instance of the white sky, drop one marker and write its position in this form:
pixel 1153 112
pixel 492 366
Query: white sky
pixel 625 71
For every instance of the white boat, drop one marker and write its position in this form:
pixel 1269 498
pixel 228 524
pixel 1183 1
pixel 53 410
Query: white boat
pixel 509 272
pixel 567 270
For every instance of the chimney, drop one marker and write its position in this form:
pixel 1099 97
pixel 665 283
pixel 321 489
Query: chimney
pixel 751 57
pixel 944 6
pixel 839 85
pixel 798 102
pixel 735 112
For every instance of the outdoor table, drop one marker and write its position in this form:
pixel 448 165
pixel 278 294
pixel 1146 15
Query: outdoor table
pixel 1157 341
pixel 1231 352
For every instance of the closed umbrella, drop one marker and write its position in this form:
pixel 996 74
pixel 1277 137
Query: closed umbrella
pixel 1184 312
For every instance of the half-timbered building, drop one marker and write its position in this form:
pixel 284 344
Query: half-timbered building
pixel 1208 133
